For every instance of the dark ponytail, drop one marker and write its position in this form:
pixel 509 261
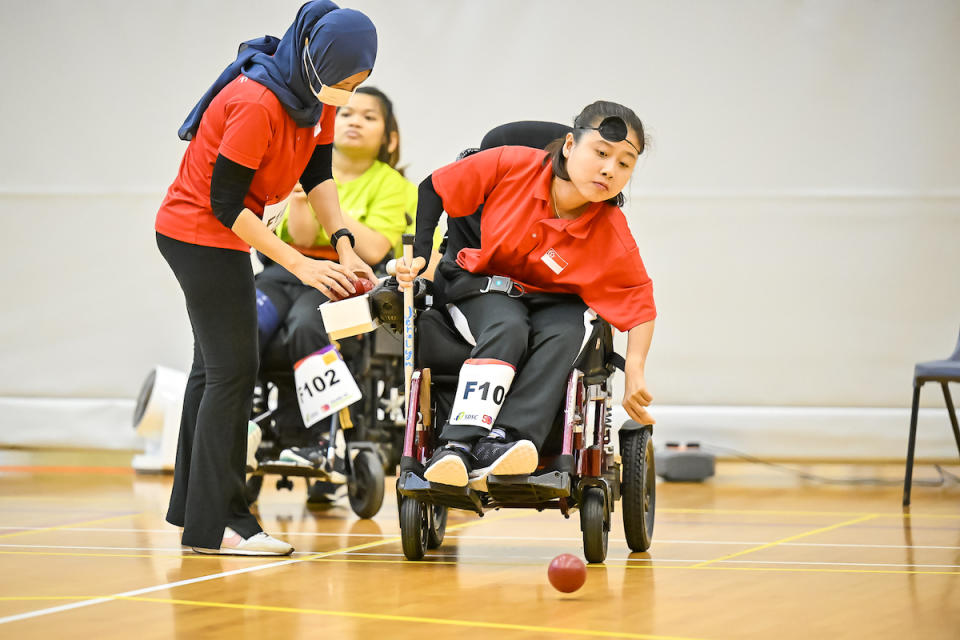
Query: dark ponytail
pixel 591 116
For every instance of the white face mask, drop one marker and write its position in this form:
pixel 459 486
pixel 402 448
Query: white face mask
pixel 325 94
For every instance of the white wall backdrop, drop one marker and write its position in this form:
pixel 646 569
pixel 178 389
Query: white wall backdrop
pixel 799 210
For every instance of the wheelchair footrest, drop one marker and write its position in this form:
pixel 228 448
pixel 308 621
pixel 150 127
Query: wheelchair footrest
pixel 411 485
pixel 524 489
pixel 282 469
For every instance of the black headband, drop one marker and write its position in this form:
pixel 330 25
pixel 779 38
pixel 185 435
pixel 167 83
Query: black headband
pixel 613 129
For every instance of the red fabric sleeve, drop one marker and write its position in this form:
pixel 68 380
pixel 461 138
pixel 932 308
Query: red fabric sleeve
pixel 246 133
pixel 327 119
pixel 627 293
pixel 464 185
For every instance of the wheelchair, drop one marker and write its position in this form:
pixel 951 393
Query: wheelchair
pixel 366 437
pixel 579 468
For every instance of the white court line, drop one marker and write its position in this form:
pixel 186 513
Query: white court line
pixel 473 557
pixel 653 560
pixel 169 585
pixel 291 534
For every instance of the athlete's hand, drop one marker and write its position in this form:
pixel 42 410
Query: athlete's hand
pixel 407 273
pixel 330 278
pixel 636 399
pixel 356 265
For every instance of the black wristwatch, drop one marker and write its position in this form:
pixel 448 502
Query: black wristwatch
pixel 339 233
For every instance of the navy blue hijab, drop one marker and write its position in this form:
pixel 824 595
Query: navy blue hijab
pixel 342 42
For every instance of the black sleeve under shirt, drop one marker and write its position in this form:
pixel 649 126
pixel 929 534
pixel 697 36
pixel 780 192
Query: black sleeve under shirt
pixel 228 187
pixel 429 210
pixel 319 169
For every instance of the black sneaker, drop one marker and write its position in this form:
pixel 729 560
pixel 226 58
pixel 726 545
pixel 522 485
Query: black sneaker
pixel 449 465
pixel 502 458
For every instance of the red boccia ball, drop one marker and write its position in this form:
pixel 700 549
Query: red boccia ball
pixel 362 286
pixel 567 573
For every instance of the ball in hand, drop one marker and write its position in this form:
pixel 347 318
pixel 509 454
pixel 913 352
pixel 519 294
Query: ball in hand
pixel 362 286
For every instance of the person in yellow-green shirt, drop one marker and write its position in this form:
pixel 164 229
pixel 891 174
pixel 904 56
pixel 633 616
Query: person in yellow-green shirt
pixel 378 203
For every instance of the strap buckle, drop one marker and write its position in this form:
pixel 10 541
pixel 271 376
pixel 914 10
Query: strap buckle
pixel 503 284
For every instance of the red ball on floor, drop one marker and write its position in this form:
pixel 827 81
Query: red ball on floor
pixel 567 573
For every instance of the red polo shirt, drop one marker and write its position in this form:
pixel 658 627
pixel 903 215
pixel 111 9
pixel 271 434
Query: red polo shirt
pixel 593 256
pixel 247 124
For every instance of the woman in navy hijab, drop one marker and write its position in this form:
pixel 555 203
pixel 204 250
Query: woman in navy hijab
pixel 264 125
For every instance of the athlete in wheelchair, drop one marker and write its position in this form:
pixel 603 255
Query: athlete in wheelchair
pixel 509 403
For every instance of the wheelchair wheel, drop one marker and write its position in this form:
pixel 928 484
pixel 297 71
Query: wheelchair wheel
pixel 595 524
pixel 252 490
pixel 638 488
pixel 438 526
pixel 414 528
pixel 365 484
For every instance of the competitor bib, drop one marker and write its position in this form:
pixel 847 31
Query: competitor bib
pixel 324 385
pixel 481 389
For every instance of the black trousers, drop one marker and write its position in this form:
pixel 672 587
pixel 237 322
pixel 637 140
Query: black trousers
pixel 209 477
pixel 541 335
pixel 301 332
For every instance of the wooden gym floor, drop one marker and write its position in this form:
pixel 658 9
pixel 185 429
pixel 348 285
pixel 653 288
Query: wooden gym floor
pixel 754 553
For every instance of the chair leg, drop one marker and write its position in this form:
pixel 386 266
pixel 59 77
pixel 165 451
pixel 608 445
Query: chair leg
pixel 908 479
pixel 952 412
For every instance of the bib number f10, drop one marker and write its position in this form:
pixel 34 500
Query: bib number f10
pixel 324 385
pixel 481 390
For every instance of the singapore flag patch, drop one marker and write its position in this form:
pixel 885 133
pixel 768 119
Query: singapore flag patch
pixel 553 260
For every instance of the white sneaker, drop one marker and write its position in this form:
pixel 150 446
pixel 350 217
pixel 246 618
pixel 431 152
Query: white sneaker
pixel 259 544
pixel 450 466
pixel 254 436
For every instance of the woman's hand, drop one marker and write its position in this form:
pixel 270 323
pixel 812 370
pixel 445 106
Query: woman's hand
pixel 406 274
pixel 331 279
pixel 351 261
pixel 636 398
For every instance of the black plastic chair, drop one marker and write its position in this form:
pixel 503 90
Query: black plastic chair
pixel 944 372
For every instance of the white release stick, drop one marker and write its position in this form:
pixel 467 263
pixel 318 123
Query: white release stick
pixel 407 323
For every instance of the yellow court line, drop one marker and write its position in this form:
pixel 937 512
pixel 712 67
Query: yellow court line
pixel 772 512
pixel 172 556
pixel 70 526
pixel 617 565
pixel 248 569
pixel 700 565
pixel 503 626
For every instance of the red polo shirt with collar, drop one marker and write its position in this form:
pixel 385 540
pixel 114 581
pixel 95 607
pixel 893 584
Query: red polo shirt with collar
pixel 247 124
pixel 593 256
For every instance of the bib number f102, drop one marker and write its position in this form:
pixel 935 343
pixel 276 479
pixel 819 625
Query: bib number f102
pixel 324 385
pixel 481 390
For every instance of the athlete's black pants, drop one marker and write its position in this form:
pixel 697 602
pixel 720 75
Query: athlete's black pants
pixel 301 332
pixel 209 477
pixel 301 326
pixel 541 335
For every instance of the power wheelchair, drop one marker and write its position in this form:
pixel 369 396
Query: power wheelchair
pixel 364 440
pixel 579 467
